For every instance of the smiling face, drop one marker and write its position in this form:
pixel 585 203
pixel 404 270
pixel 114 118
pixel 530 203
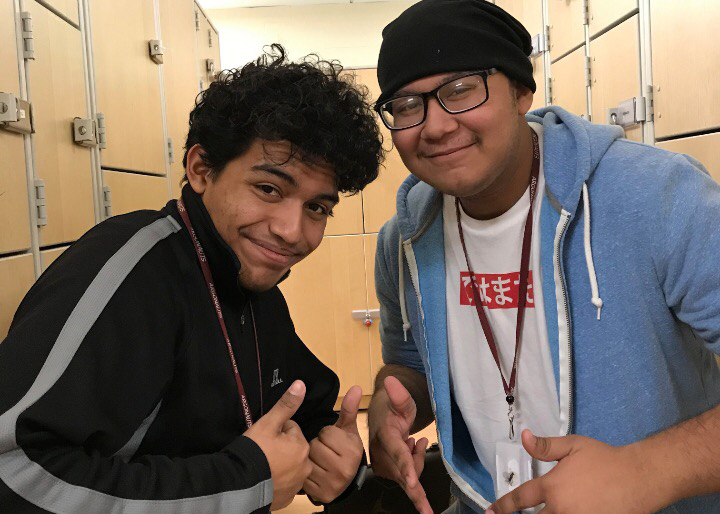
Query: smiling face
pixel 476 155
pixel 271 213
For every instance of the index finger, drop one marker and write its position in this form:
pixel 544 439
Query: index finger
pixel 529 494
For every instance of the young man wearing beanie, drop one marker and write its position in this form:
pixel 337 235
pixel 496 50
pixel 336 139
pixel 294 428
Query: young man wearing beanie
pixel 549 291
pixel 154 367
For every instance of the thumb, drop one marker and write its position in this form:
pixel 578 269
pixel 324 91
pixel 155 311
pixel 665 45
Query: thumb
pixel 400 400
pixel 546 449
pixel 286 406
pixel 349 409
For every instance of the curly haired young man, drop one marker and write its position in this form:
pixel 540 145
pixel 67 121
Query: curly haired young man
pixel 154 367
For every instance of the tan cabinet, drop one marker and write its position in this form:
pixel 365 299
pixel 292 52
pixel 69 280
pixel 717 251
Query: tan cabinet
pixel 68 8
pixel 615 65
pixel 703 148
pixel 322 292
pixel 603 13
pixel 17 274
pixel 132 192
pixel 566 24
pixel 568 83
pixel 56 83
pixel 128 85
pixel 527 12
pixel 14 210
pixel 376 360
pixel 685 62
pixel 539 76
pixel 208 48
pixel 177 23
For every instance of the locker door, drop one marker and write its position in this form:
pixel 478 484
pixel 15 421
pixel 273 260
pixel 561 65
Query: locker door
pixel 376 360
pixel 177 21
pixel 68 8
pixel 208 51
pixel 321 292
pixel 603 13
pixel 132 192
pixel 128 85
pixel 379 197
pixel 14 210
pixel 703 148
pixel 615 58
pixel 17 274
pixel 566 26
pixel 568 83
pixel 56 83
pixel 539 76
pixel 685 61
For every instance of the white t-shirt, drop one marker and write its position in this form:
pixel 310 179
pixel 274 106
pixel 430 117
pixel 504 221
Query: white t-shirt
pixel 494 248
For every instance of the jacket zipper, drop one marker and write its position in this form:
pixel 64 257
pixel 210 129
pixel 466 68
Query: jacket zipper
pixel 566 309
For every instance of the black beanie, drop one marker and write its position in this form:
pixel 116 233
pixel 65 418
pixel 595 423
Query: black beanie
pixel 442 36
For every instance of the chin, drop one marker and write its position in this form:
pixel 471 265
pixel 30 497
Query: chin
pixel 260 284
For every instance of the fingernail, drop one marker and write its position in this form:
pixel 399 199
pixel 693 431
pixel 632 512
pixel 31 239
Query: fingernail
pixel 297 388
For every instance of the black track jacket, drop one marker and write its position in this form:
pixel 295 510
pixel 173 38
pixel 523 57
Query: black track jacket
pixel 116 389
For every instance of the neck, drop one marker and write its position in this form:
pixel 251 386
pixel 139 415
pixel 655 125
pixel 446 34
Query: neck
pixel 510 185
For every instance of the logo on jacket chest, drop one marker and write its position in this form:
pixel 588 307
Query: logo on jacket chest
pixel 276 378
pixel 497 290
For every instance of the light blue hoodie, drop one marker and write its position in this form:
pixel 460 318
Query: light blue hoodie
pixel 647 268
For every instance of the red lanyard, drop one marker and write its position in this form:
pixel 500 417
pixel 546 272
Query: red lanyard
pixel 522 300
pixel 202 259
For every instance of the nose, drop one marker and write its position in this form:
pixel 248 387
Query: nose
pixel 438 121
pixel 287 223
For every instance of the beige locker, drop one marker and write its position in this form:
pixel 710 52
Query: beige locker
pixel 47 257
pixel 132 192
pixel 347 217
pixel 568 83
pixel 566 26
pixel 208 50
pixel 376 360
pixel 603 13
pixel 128 85
pixel 703 148
pixel 17 274
pixel 539 76
pixel 615 65
pixel 68 8
pixel 321 292
pixel 177 24
pixel 56 82
pixel 527 12
pixel 14 210
pixel 379 197
pixel 685 62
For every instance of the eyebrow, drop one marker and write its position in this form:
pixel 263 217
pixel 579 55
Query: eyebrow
pixel 286 177
pixel 445 80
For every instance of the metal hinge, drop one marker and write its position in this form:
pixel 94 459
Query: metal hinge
pixel 107 201
pixel 170 150
pixel 539 44
pixel 628 112
pixel 588 71
pixel 210 38
pixel 84 131
pixel 27 35
pixel 197 21
pixel 15 114
pixel 549 87
pixel 649 103
pixel 586 12
pixel 101 133
pixel 40 202
pixel 156 50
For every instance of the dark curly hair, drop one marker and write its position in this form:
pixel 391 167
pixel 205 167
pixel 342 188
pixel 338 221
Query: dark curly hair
pixel 324 117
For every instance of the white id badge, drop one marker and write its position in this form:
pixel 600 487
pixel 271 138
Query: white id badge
pixel 513 467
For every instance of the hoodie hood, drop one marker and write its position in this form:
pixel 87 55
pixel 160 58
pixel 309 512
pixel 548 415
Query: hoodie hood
pixel 571 145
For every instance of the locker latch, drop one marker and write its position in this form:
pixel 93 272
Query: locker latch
pixel 628 112
pixel 156 50
pixel 15 114
pixel 366 316
pixel 539 44
pixel 84 132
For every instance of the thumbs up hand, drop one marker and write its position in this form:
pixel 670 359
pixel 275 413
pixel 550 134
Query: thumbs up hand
pixel 284 446
pixel 336 453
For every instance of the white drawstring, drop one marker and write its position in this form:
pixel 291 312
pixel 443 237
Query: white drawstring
pixel 596 300
pixel 401 291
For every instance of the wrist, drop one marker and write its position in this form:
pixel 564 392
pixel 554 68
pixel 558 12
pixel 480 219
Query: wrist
pixel 656 487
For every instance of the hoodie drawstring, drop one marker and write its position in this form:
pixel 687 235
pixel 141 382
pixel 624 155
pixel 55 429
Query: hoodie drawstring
pixel 401 291
pixel 596 300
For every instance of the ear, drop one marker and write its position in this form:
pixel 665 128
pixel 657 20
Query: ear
pixel 524 99
pixel 198 173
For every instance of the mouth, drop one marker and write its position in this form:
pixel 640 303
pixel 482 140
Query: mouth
pixel 275 254
pixel 448 152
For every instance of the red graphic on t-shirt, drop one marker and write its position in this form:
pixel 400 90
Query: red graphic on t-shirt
pixel 497 291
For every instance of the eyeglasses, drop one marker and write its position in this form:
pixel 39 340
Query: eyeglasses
pixel 457 95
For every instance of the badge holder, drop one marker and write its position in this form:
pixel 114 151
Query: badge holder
pixel 513 467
